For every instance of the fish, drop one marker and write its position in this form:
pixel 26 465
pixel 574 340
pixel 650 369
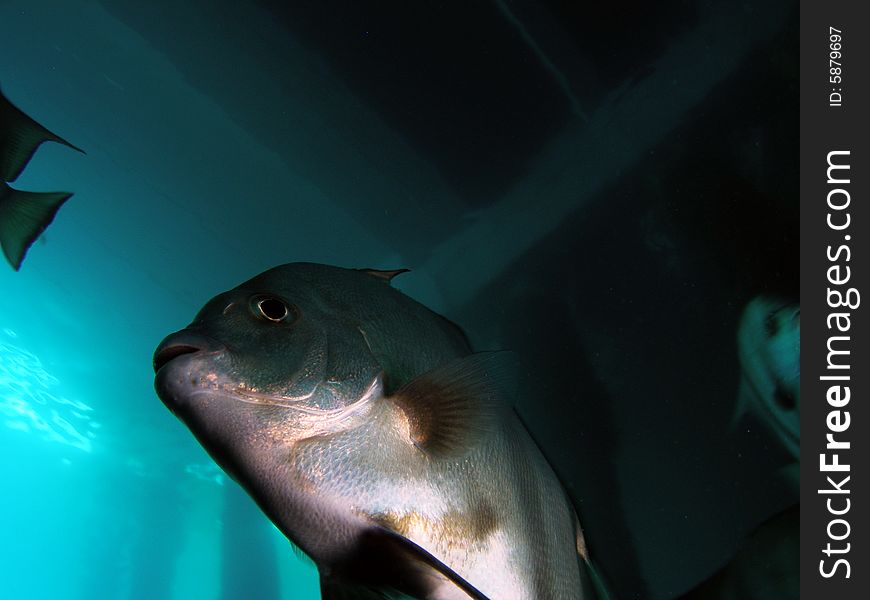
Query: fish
pixel 767 562
pixel 768 343
pixel 23 215
pixel 384 448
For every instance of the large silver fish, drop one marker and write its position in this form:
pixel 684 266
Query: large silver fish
pixel 365 428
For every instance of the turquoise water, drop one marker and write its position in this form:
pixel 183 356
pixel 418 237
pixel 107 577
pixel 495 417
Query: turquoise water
pixel 104 494
pixel 614 248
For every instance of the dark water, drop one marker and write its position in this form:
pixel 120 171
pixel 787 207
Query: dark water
pixel 601 188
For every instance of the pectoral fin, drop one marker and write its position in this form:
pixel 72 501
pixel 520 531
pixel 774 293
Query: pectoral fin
pixel 23 218
pixel 452 407
pixel 385 564
pixel 20 136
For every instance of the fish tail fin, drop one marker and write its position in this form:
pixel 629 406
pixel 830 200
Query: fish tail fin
pixel 23 218
pixel 21 137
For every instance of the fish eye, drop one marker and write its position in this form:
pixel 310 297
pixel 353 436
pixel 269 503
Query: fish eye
pixel 271 308
pixel 784 399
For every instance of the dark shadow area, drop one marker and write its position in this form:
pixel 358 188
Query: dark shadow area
pixel 626 318
pixel 455 79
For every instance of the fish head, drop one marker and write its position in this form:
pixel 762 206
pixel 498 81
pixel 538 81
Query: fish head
pixel 293 351
pixel 266 363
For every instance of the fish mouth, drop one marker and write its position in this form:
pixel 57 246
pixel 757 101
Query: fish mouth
pixel 164 355
pixel 182 343
pixel 187 367
pixel 179 359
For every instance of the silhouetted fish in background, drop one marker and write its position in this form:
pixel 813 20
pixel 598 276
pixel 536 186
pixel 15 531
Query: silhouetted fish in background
pixel 768 343
pixel 23 215
pixel 366 429
pixel 767 562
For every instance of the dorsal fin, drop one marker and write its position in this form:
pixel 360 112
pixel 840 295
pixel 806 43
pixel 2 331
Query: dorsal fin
pixel 451 407
pixel 386 276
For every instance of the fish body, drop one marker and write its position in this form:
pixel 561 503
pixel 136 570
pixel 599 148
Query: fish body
pixel 366 429
pixel 23 215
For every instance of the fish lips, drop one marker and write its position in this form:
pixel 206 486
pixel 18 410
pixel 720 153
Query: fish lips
pixel 179 362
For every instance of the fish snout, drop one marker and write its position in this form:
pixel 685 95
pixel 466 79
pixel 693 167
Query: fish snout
pixel 181 343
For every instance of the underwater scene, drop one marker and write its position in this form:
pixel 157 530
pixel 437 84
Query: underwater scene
pixel 377 299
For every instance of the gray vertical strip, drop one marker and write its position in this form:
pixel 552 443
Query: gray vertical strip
pixel 831 123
